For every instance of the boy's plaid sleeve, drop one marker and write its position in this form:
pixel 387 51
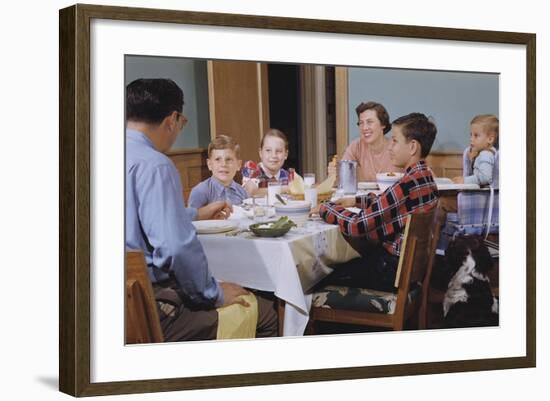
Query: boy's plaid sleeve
pixel 379 216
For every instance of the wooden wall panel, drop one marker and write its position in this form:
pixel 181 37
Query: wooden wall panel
pixel 341 90
pixel 191 164
pixel 445 164
pixel 239 103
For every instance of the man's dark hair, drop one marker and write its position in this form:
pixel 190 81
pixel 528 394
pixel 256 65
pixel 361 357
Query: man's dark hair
pixel 381 113
pixel 420 128
pixel 152 100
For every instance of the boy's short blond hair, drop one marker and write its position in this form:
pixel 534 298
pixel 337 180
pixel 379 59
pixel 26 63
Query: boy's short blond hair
pixel 275 133
pixel 224 142
pixel 489 122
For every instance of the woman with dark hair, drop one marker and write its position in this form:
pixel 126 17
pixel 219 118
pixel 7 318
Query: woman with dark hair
pixel 371 149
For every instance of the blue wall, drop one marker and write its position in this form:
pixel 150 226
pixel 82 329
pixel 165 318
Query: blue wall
pixel 451 98
pixel 191 76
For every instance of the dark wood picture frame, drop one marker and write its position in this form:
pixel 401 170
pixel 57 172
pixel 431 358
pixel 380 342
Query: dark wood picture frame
pixel 74 202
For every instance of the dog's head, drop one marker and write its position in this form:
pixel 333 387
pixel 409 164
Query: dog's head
pixel 461 247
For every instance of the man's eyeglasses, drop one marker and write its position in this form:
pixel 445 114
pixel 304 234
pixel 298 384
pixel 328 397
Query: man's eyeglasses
pixel 183 117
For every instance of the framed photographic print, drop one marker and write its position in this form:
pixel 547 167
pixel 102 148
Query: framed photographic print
pixel 103 48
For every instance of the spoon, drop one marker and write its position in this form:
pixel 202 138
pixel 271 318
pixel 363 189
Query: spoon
pixel 280 199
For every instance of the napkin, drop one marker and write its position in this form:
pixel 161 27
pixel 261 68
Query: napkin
pixel 326 186
pixel 297 187
pixel 238 321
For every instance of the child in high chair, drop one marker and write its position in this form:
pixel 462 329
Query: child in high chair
pixel 482 152
pixel 223 161
pixel 273 153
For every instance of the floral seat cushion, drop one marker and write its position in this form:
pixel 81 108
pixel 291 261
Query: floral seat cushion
pixel 359 299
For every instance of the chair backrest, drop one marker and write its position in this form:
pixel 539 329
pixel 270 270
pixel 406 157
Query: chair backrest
pixel 416 248
pixel 142 320
pixel 417 255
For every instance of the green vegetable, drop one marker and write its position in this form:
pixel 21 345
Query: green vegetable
pixel 283 222
pixel 280 223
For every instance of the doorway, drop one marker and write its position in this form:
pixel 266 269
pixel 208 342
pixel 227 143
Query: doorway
pixel 284 108
pixel 289 107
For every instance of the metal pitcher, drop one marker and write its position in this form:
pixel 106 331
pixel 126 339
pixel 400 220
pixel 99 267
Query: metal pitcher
pixel 347 176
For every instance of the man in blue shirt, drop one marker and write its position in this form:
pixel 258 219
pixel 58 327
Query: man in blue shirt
pixel 158 223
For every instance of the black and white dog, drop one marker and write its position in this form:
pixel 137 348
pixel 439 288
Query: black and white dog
pixel 469 301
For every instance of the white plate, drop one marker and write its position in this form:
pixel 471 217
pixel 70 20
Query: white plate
pixel 214 226
pixel 367 185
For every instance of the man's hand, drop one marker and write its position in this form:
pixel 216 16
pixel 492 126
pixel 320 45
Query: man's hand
pixel 458 180
pixel 231 294
pixel 219 210
pixel 345 202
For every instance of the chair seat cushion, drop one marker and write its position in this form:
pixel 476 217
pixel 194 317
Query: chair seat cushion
pixel 359 299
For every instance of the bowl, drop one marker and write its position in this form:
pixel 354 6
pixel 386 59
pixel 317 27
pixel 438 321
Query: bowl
pixel 385 180
pixel 293 205
pixel 296 210
pixel 261 231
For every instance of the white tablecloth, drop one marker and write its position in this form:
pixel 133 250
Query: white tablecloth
pixel 287 265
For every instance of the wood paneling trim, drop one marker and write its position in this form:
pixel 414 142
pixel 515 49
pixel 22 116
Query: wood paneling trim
pixel 342 99
pixel 191 164
pixel 211 99
pixel 263 97
pixel 445 164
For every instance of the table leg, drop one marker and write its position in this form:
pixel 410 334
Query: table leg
pixel 281 315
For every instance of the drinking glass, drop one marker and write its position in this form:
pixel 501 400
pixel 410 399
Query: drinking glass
pixel 259 208
pixel 310 195
pixel 309 179
pixel 273 188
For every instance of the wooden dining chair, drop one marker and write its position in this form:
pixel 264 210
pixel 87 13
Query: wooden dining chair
pixel 362 306
pixel 142 320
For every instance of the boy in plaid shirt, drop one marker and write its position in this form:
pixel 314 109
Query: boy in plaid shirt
pixel 382 217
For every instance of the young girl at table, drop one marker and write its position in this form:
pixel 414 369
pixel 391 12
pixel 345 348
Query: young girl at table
pixel 481 154
pixel 273 153
pixel 223 161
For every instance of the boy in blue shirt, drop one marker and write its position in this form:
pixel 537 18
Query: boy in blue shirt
pixel 223 161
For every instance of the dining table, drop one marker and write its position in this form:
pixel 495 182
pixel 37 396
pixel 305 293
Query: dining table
pixel 289 265
pixel 445 186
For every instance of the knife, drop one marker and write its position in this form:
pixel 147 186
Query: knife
pixel 280 199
